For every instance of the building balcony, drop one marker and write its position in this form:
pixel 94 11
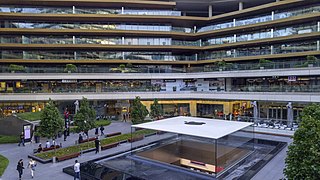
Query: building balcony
pixel 257 96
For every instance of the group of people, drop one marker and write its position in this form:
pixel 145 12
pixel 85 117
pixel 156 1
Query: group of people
pixel 32 165
pixel 101 131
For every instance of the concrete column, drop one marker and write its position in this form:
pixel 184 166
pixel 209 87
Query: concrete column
pixel 193 108
pixel 184 13
pixel 210 10
pixel 73 9
pixel 240 6
pixel 122 10
pixel 147 104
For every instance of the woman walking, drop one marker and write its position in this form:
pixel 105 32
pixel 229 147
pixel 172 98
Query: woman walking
pixel 32 165
pixel 20 168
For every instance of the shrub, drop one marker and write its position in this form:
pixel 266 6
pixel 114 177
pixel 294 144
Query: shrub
pixel 18 68
pixel 70 68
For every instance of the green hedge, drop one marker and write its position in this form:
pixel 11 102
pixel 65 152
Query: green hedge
pixel 8 139
pixel 89 145
pixel 3 164
pixel 30 116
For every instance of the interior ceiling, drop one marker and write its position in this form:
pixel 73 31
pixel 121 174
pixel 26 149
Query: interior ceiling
pixel 218 6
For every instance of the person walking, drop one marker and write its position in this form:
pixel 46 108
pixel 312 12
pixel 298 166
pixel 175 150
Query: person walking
pixel 21 139
pixel 97 144
pixel 101 130
pixel 97 131
pixel 65 134
pixel 20 168
pixel 76 169
pixel 32 165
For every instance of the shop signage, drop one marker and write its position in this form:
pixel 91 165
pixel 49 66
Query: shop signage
pixel 27 133
pixel 292 78
pixel 169 80
pixel 68 80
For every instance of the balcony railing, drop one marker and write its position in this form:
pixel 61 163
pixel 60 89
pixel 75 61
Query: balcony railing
pixel 168 69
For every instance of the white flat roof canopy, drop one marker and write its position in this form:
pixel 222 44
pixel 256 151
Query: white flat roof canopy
pixel 213 128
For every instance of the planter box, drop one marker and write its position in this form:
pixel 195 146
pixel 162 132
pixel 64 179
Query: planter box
pixel 50 148
pixel 137 138
pixel 109 146
pixel 113 134
pixel 66 157
pixel 88 140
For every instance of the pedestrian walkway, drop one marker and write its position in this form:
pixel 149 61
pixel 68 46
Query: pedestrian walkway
pixel 54 170
pixel 51 171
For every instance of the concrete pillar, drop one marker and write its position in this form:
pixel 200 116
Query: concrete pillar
pixel 210 10
pixel 147 104
pixel 193 108
pixel 184 13
pixel 240 6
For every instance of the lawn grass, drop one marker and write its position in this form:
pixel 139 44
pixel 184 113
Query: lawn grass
pixel 89 145
pixel 8 139
pixel 30 116
pixel 103 123
pixel 3 164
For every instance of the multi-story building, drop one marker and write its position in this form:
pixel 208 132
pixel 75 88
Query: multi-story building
pixel 200 58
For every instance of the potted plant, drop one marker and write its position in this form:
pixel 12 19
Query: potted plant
pixel 70 68
pixel 16 68
pixel 311 60
pixel 264 63
pixel 223 65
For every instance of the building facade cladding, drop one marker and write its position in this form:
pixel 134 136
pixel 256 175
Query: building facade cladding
pixel 155 40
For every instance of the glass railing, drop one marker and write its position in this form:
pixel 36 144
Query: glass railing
pixel 262 18
pixel 271 123
pixel 91 26
pixel 168 69
pixel 70 10
pixel 276 88
pixel 30 87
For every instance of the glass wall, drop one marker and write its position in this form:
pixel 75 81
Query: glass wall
pixel 297 29
pixel 262 18
pixel 96 26
pixel 233 148
pixel 81 10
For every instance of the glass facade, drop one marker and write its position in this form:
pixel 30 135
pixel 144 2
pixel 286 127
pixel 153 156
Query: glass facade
pixel 88 54
pixel 263 18
pixel 81 10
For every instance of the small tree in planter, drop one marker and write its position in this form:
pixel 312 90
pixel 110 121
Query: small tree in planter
pixel 70 68
pixel 51 121
pixel 156 110
pixel 138 111
pixel 85 117
pixel 16 68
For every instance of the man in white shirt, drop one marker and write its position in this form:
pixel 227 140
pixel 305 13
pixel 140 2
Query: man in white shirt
pixel 76 169
pixel 47 144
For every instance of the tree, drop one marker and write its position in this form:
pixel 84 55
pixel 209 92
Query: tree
pixel 85 117
pixel 303 157
pixel 138 111
pixel 51 121
pixel 156 110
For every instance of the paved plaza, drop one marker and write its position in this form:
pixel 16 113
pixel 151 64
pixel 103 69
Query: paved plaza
pixel 273 170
